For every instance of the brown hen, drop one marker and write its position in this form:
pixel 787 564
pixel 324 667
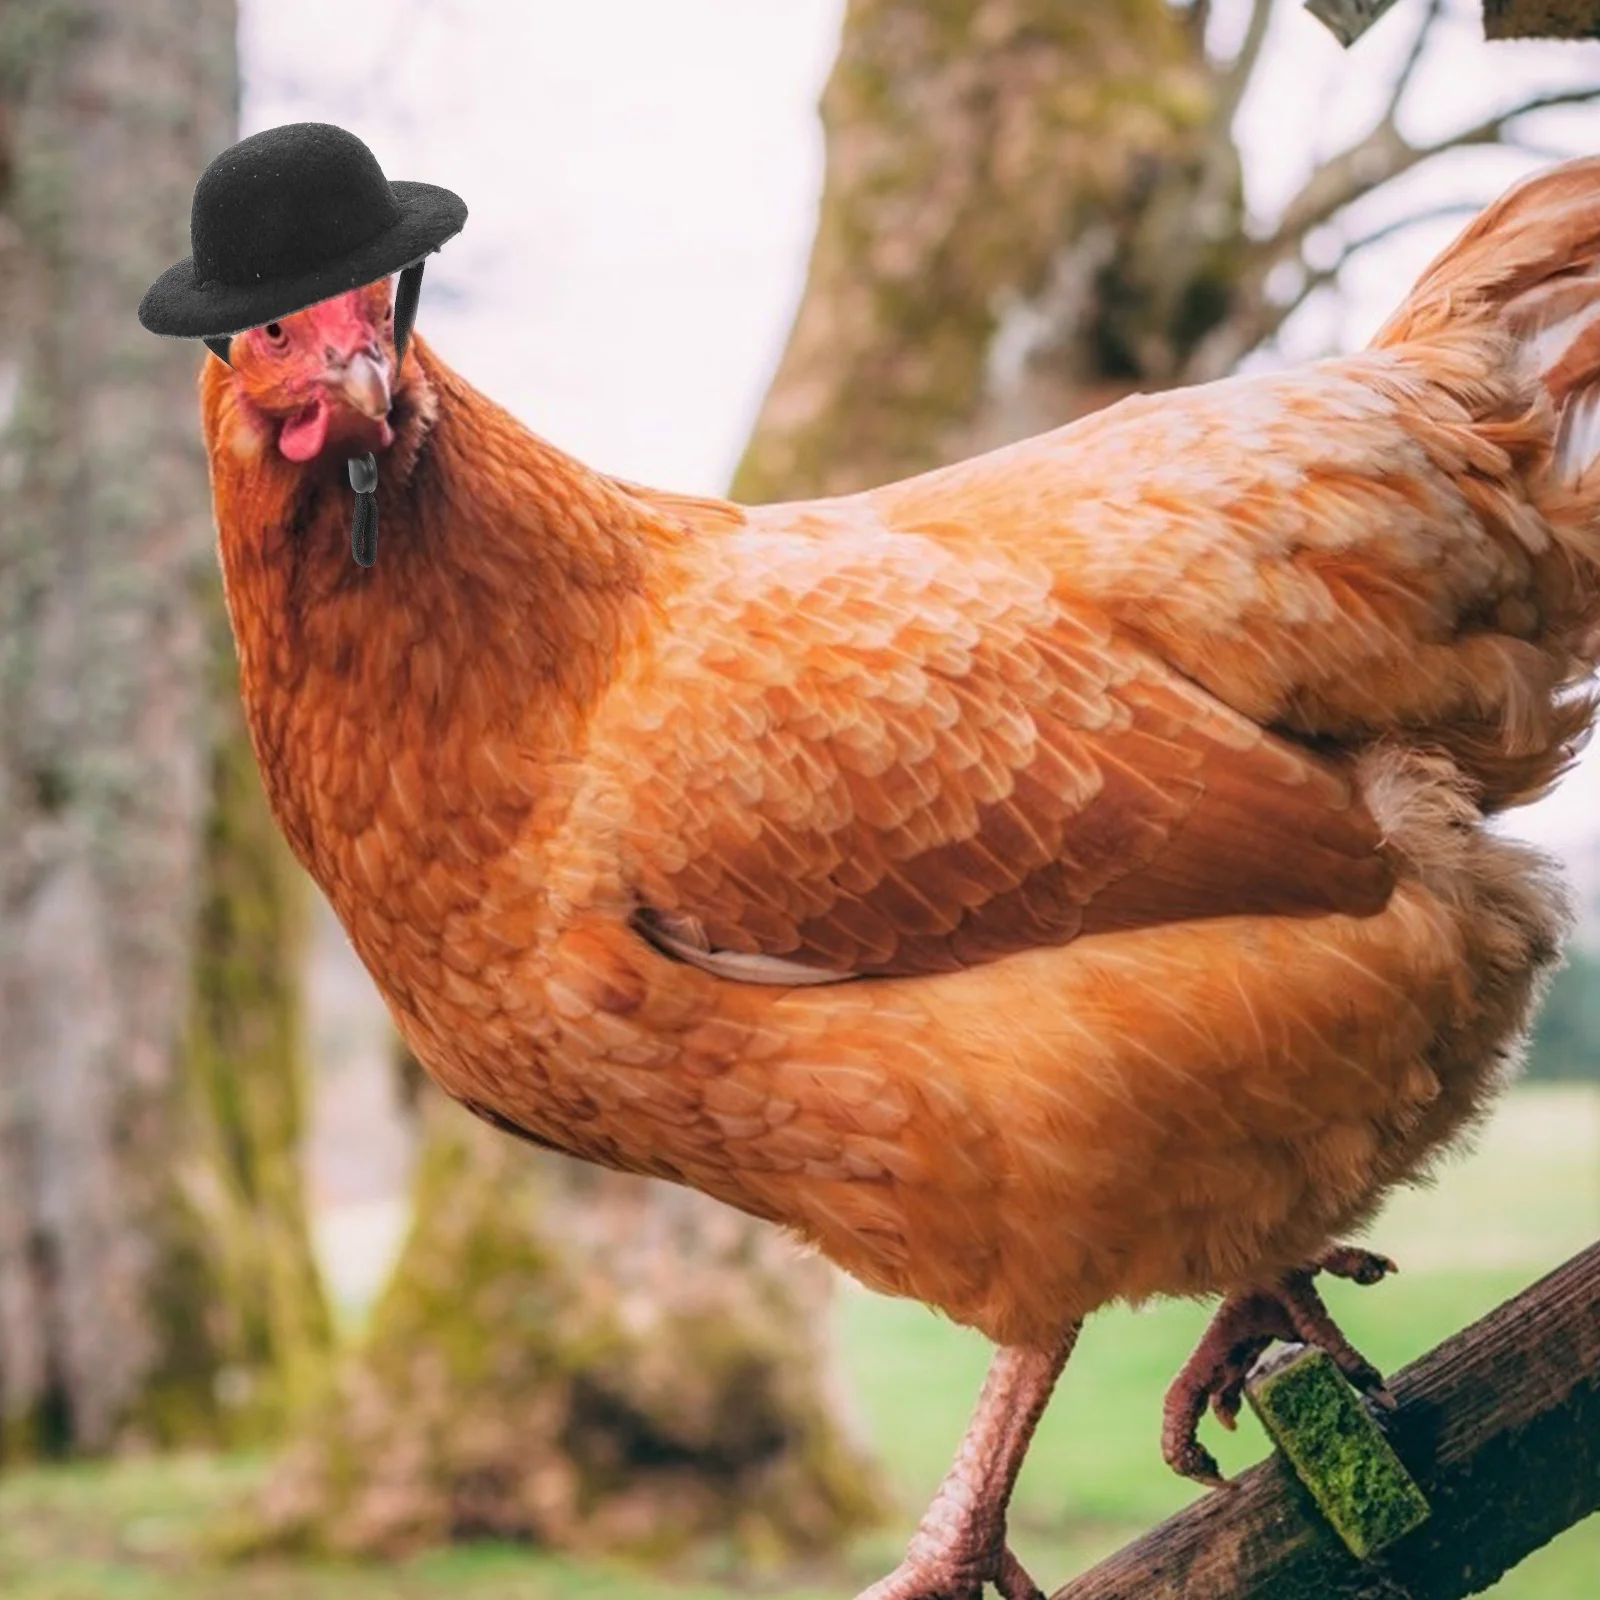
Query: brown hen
pixel 1054 880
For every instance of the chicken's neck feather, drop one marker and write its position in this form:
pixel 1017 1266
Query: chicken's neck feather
pixel 510 582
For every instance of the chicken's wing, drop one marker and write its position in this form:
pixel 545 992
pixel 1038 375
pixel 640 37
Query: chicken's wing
pixel 860 755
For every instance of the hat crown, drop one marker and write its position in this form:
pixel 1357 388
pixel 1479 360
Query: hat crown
pixel 284 201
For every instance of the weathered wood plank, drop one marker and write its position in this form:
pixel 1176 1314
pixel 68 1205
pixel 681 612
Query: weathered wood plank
pixel 1541 19
pixel 1499 1425
pixel 1347 20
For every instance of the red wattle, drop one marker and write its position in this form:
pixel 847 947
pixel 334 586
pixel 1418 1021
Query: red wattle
pixel 304 434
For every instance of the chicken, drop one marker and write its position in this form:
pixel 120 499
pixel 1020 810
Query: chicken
pixel 1054 880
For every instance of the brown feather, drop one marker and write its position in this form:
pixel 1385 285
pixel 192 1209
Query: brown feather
pixel 996 810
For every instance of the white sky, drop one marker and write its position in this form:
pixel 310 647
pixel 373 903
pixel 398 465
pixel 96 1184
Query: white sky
pixel 642 177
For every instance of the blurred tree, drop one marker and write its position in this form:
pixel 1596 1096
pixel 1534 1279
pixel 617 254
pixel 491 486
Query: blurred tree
pixel 580 1358
pixel 1030 209
pixel 246 1078
pixel 133 1304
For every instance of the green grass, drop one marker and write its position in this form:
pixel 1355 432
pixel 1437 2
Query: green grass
pixel 1527 1200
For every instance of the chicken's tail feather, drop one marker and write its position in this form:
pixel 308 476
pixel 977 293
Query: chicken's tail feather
pixel 1529 267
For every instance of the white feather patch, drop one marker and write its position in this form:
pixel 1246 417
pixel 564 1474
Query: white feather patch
pixel 684 938
pixel 760 969
pixel 1551 342
pixel 1578 436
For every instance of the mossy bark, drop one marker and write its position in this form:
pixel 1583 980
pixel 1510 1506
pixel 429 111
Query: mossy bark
pixel 1338 1451
pixel 107 1287
pixel 245 1075
pixel 584 1360
pixel 1030 209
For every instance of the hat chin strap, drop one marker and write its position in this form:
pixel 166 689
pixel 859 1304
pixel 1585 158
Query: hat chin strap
pixel 363 470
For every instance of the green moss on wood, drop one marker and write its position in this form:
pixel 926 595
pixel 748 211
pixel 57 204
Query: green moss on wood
pixel 246 1090
pixel 1338 1452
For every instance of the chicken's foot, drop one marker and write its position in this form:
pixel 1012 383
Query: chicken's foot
pixel 960 1544
pixel 1245 1324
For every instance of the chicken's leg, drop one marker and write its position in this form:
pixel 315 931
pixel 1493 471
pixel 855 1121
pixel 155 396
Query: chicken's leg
pixel 960 1544
pixel 1245 1324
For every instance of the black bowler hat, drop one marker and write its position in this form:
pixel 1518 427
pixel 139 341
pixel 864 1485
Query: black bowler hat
pixel 286 218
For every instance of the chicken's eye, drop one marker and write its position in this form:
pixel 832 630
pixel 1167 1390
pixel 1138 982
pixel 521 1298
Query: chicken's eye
pixel 274 331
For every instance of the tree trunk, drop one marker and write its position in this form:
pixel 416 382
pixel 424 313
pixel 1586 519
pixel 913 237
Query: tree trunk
pixel 246 1076
pixel 1030 209
pixel 582 1359
pixel 121 1320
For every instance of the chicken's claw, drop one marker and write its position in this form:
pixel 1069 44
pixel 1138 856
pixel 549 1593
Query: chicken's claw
pixel 1357 1265
pixel 1228 1396
pixel 955 1575
pixel 1191 1459
pixel 960 1544
pixel 1245 1324
pixel 1314 1325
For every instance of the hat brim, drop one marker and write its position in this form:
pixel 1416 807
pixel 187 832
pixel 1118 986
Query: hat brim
pixel 177 306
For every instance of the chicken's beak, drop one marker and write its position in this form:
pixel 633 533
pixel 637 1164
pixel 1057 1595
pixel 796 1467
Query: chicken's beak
pixel 364 382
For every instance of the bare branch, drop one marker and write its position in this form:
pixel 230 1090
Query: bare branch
pixel 1277 313
pixel 1232 340
pixel 1412 219
pixel 1236 80
pixel 1413 59
pixel 1487 131
pixel 1383 155
pixel 1235 338
pixel 1366 166
pixel 1341 179
pixel 1325 276
pixel 1545 152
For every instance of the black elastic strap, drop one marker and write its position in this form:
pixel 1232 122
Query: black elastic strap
pixel 219 347
pixel 406 295
pixel 363 470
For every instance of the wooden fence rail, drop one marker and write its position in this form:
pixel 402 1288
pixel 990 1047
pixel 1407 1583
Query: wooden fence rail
pixel 1500 1425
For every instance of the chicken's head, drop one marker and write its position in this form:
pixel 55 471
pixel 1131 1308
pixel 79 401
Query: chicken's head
pixel 322 376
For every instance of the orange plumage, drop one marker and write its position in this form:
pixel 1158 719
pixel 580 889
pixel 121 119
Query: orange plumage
pixel 1053 879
